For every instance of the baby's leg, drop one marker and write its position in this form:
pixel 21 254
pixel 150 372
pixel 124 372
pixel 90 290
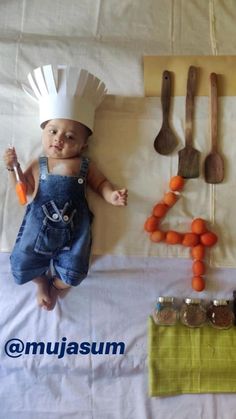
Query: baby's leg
pixel 28 266
pixel 60 285
pixel 46 294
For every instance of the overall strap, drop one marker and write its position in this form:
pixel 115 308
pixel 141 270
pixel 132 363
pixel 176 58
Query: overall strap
pixel 43 165
pixel 84 168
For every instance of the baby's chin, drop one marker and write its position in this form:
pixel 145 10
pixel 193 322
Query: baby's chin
pixel 59 154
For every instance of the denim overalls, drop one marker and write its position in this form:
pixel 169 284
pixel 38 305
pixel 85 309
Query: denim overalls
pixel 56 229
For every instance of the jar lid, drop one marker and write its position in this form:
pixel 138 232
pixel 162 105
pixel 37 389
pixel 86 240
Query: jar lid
pixel 162 299
pixel 192 300
pixel 220 302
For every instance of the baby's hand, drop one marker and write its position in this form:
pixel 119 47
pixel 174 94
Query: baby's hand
pixel 10 157
pixel 119 197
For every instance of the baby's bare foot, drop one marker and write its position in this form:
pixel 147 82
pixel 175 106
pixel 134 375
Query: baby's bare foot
pixel 46 296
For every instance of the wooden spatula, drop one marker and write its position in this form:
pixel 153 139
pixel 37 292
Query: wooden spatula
pixel 214 164
pixel 165 141
pixel 189 156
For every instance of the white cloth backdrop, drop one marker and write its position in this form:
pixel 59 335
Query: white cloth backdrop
pixel 109 38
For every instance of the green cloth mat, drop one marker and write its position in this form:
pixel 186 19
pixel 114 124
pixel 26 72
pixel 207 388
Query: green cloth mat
pixel 186 360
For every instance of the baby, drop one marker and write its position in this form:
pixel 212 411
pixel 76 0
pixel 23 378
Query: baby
pixel 55 235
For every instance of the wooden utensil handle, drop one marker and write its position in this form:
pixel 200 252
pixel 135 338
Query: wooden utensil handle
pixel 191 89
pixel 165 94
pixel 214 108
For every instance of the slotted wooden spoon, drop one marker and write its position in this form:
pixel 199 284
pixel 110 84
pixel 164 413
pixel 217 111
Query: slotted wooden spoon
pixel 165 141
pixel 189 156
pixel 214 164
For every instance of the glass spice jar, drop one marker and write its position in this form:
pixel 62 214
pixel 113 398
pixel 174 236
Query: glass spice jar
pixel 192 312
pixel 220 315
pixel 166 313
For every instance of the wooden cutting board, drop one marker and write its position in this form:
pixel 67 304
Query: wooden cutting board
pixel 224 66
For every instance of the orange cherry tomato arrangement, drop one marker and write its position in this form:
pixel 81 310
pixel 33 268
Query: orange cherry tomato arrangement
pixel 198 239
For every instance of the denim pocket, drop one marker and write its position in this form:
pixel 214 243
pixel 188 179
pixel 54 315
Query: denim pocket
pixel 51 239
pixel 57 229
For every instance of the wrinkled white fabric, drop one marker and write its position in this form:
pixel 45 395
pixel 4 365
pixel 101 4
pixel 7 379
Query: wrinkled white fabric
pixel 112 304
pixel 122 147
pixel 109 38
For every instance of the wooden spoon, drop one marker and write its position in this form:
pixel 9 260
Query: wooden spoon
pixel 189 156
pixel 214 164
pixel 165 142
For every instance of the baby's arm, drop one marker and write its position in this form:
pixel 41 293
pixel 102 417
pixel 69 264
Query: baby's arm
pixel 103 187
pixel 112 195
pixel 28 177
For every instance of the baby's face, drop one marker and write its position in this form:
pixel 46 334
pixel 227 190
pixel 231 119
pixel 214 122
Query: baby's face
pixel 63 138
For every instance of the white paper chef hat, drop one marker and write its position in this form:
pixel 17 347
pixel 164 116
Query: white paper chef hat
pixel 65 92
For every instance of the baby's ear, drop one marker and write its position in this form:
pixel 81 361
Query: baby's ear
pixel 84 146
